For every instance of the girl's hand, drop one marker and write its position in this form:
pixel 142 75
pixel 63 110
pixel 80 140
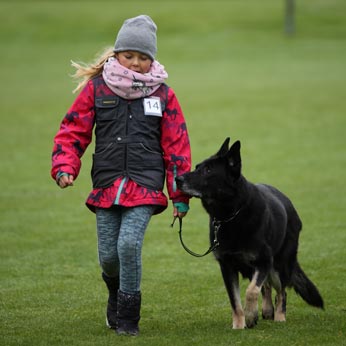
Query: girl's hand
pixel 178 214
pixel 65 181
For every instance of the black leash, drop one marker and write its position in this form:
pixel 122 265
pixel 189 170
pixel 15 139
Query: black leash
pixel 211 248
pixel 216 225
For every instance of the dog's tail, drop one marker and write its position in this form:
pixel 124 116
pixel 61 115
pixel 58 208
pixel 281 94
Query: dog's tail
pixel 305 288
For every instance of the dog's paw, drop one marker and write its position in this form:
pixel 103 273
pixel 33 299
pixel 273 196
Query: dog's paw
pixel 239 324
pixel 251 319
pixel 238 319
pixel 250 323
pixel 280 316
pixel 268 314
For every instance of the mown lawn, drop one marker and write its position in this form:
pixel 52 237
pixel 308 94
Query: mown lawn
pixel 236 74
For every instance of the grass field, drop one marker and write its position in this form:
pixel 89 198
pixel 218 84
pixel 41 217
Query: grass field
pixel 235 74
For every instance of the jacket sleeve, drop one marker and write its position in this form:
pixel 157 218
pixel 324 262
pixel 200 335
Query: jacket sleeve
pixel 74 135
pixel 176 146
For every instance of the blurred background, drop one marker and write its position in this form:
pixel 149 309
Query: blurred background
pixel 240 69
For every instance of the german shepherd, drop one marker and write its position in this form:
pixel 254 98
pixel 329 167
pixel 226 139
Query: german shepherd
pixel 257 228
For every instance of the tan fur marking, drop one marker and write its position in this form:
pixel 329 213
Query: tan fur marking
pixel 238 313
pixel 279 315
pixel 238 319
pixel 251 305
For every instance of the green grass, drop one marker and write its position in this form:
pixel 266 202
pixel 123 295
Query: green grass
pixel 235 74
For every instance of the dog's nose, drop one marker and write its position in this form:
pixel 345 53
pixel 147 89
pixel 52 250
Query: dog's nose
pixel 179 179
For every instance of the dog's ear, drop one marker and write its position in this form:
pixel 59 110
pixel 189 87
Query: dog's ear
pixel 234 159
pixel 224 148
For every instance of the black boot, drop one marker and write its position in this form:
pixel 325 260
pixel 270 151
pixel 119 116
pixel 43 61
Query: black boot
pixel 129 306
pixel 111 314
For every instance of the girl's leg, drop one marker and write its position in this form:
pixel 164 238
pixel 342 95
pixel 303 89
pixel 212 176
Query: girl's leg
pixel 134 223
pixel 108 226
pixel 133 226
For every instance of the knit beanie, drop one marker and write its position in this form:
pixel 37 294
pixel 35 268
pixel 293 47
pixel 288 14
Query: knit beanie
pixel 137 34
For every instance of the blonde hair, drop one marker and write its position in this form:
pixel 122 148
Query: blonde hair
pixel 85 72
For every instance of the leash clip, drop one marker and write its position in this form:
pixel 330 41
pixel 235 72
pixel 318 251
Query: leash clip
pixel 216 225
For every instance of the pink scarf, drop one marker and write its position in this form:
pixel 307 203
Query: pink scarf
pixel 132 85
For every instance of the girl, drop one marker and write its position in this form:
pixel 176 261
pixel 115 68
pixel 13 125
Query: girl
pixel 140 139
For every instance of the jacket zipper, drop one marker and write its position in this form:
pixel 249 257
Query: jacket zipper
pixel 123 181
pixel 126 134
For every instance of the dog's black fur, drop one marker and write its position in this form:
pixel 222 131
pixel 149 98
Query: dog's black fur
pixel 258 236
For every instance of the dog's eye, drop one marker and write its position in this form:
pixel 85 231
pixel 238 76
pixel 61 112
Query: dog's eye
pixel 206 170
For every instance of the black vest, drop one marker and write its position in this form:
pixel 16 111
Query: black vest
pixel 127 140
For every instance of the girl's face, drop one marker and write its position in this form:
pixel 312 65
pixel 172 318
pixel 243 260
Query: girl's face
pixel 134 61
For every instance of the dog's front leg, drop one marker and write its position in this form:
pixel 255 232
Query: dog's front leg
pixel 231 280
pixel 252 293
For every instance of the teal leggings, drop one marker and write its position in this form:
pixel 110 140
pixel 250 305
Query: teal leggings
pixel 120 233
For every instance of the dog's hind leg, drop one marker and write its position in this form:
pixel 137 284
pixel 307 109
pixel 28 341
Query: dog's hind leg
pixel 280 298
pixel 231 280
pixel 267 303
pixel 280 306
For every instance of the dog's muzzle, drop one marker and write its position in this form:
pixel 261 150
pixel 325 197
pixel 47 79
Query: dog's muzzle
pixel 184 186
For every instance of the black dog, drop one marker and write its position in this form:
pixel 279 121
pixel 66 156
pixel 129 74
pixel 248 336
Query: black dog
pixel 257 229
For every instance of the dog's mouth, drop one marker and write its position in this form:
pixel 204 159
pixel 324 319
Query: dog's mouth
pixel 192 193
pixel 185 187
pixel 188 190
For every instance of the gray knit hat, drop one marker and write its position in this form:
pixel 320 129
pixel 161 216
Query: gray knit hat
pixel 137 34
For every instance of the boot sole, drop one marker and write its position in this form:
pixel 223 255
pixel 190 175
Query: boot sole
pixel 126 333
pixel 109 325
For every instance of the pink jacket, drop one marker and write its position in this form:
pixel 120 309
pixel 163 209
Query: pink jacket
pixel 75 134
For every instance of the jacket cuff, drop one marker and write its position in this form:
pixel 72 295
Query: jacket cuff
pixel 59 175
pixel 182 207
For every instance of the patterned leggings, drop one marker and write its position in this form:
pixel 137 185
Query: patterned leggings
pixel 120 233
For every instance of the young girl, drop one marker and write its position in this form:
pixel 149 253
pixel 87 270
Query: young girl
pixel 140 139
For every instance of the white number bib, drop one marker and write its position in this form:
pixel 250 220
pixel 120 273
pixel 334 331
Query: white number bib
pixel 152 106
